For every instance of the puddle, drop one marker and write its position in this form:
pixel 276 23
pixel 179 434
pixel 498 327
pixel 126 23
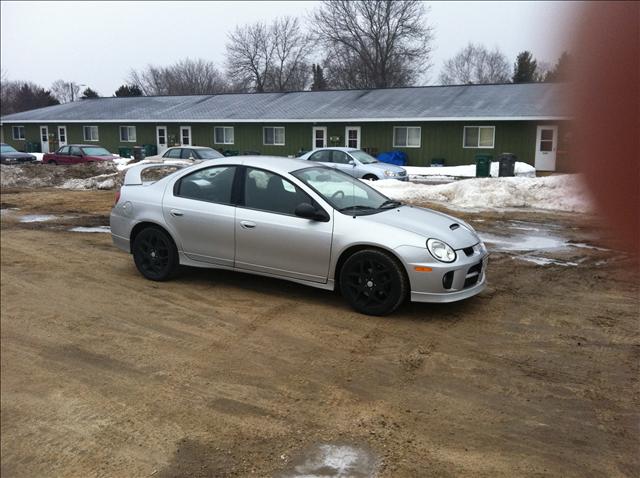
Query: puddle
pixel 37 217
pixel 334 461
pixel 91 229
pixel 522 242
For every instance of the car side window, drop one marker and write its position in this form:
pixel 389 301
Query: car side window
pixel 340 157
pixel 269 192
pixel 323 156
pixel 173 153
pixel 187 153
pixel 209 184
pixel 75 151
pixel 64 150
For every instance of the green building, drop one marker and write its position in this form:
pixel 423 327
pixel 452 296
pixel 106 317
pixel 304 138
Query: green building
pixel 450 123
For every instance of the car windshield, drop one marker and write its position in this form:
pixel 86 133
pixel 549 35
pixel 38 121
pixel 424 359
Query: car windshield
pixel 5 148
pixel 96 152
pixel 345 193
pixel 363 157
pixel 209 154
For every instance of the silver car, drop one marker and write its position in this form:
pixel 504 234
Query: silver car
pixel 298 221
pixel 356 163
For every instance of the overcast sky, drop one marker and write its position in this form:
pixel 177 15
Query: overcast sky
pixel 97 43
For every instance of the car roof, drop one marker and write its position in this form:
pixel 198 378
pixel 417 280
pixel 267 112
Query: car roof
pixel 277 164
pixel 84 145
pixel 338 148
pixel 190 147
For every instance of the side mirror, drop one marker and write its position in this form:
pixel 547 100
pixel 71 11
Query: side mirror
pixel 352 162
pixel 307 211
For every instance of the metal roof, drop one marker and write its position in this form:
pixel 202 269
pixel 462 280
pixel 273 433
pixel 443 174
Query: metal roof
pixel 521 101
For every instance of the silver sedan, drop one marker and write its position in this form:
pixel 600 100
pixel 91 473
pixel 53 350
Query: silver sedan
pixel 303 222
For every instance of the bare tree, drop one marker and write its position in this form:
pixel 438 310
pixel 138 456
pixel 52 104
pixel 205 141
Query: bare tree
pixel 65 91
pixel 475 64
pixel 272 57
pixel 374 44
pixel 185 77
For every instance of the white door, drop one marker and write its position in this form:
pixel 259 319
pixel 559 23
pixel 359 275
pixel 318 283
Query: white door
pixel 185 135
pixel 546 145
pixel 319 139
pixel 352 137
pixel 161 139
pixel 44 139
pixel 62 136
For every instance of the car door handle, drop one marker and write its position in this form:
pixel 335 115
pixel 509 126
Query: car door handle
pixel 175 212
pixel 247 224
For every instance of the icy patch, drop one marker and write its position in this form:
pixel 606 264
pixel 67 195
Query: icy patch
pixel 524 242
pixel 37 218
pixel 545 261
pixel 91 229
pixel 564 192
pixel 329 460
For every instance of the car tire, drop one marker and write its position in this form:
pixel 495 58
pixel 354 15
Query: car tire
pixel 155 254
pixel 370 177
pixel 52 163
pixel 373 282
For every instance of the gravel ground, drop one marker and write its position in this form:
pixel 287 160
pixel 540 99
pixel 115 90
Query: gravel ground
pixel 222 374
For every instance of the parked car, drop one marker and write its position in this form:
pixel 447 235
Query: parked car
pixel 9 155
pixel 188 152
pixel 298 221
pixel 356 163
pixel 77 153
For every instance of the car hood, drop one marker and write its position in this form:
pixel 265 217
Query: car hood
pixel 428 223
pixel 384 167
pixel 17 155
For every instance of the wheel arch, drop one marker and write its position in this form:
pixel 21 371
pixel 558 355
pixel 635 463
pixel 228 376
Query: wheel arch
pixel 349 251
pixel 143 225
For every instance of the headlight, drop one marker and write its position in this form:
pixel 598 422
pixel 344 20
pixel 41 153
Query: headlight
pixel 389 173
pixel 441 250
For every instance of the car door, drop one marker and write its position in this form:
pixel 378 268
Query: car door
pixel 75 155
pixel 198 207
pixel 323 156
pixel 271 239
pixel 341 161
pixel 62 155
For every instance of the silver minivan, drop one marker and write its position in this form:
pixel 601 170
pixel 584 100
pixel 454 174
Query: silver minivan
pixel 356 163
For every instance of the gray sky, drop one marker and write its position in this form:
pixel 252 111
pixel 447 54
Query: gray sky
pixel 97 43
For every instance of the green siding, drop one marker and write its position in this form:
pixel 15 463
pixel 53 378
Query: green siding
pixel 438 139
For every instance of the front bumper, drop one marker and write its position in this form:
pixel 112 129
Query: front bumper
pixel 433 281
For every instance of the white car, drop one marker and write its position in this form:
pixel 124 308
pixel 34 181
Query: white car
pixel 193 153
pixel 356 163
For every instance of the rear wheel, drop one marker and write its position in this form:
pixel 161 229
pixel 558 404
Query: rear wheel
pixel 373 282
pixel 155 254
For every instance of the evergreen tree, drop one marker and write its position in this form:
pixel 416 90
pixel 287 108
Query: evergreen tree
pixel 525 68
pixel 319 81
pixel 128 90
pixel 89 93
pixel 560 71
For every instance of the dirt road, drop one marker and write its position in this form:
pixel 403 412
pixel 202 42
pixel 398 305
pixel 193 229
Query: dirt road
pixel 221 374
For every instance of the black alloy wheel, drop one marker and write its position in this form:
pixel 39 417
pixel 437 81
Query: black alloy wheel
pixel 373 282
pixel 155 254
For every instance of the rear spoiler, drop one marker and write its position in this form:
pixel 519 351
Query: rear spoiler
pixel 134 173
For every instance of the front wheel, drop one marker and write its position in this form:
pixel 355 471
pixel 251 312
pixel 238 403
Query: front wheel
pixel 155 254
pixel 370 177
pixel 52 163
pixel 373 282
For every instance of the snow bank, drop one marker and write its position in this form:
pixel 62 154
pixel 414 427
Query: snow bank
pixel 125 163
pixel 559 193
pixel 37 155
pixel 467 171
pixel 103 181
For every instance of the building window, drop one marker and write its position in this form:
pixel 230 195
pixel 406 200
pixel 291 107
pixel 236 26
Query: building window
pixel 18 132
pixel 185 135
pixel 479 136
pixel 127 134
pixel 273 135
pixel 406 136
pixel 223 135
pixel 90 133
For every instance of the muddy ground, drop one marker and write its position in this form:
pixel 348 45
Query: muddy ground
pixel 220 374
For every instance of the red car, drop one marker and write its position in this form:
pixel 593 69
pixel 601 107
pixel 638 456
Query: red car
pixel 77 153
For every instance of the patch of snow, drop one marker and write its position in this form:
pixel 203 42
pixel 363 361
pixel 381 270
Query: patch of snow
pixel 564 192
pixel 37 155
pixel 91 229
pixel 37 217
pixel 545 261
pixel 127 163
pixel 103 181
pixel 335 460
pixel 524 242
pixel 468 171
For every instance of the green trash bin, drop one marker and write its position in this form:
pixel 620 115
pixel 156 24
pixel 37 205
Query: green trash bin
pixel 150 149
pixel 483 165
pixel 125 152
